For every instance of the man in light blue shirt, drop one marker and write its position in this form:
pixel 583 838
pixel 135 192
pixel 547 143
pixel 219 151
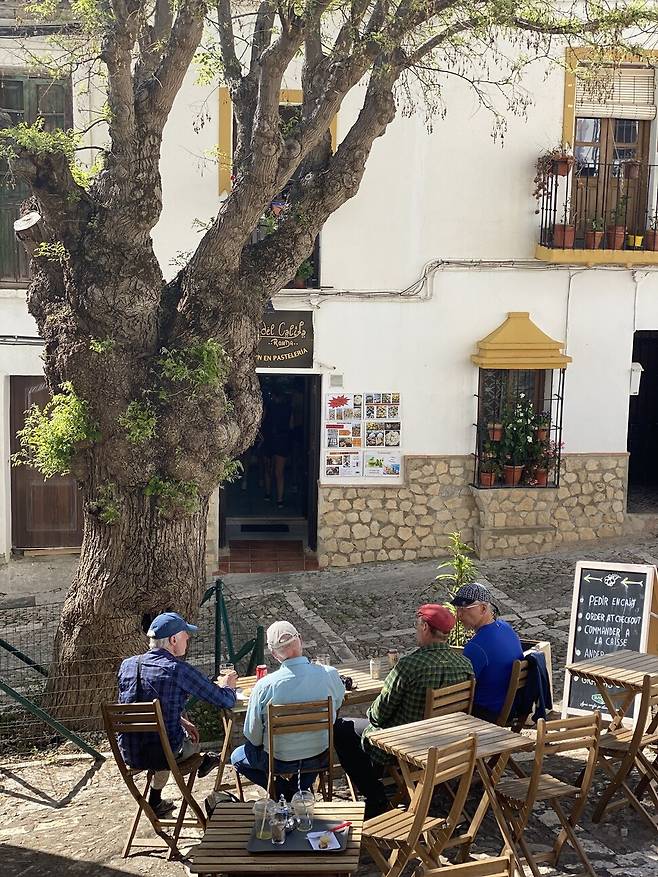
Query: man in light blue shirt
pixel 297 681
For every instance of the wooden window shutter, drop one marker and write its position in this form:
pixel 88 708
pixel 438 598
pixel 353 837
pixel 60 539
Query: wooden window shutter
pixel 621 93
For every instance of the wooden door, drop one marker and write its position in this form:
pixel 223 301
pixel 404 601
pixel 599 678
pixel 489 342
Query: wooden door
pixel 643 413
pixel 45 513
pixel 601 190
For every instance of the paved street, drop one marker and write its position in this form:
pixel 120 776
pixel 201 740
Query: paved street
pixel 63 818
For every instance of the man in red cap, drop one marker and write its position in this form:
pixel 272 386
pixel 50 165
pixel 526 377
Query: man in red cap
pixel 402 700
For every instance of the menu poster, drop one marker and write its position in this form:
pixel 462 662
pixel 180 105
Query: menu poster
pixel 342 464
pixel 342 435
pixel 382 465
pixel 382 406
pixel 344 406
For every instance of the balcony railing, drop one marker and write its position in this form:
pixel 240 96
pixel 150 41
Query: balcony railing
pixel 598 206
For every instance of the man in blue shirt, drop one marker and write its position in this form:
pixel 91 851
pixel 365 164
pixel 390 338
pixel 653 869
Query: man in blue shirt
pixel 162 674
pixel 297 681
pixel 492 650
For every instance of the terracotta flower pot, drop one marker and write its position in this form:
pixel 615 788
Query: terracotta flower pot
pixel 593 240
pixel 512 475
pixel 495 431
pixel 564 236
pixel 487 479
pixel 650 239
pixel 542 433
pixel 541 477
pixel 614 237
pixel 562 166
pixel 631 170
pixel 299 283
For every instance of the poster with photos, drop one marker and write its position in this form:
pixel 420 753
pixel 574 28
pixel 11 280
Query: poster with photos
pixel 342 464
pixel 382 464
pixel 343 435
pixel 343 407
pixel 382 406
pixel 383 434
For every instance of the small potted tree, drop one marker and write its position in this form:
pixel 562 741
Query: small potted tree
pixel 616 231
pixel 519 429
pixel 542 425
pixel 594 234
pixel 651 234
pixel 489 471
pixel 564 233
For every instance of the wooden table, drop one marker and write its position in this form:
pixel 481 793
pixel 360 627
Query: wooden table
pixel 494 745
pixel 366 691
pixel 626 670
pixel 223 848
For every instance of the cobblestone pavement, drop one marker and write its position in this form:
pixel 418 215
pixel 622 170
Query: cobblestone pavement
pixel 62 818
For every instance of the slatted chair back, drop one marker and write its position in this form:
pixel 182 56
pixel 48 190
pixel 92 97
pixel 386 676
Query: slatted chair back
pixel 518 680
pixel 498 867
pixel 302 718
pixel 454 762
pixel 456 698
pixel 146 718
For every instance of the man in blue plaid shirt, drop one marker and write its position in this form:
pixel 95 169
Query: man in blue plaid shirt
pixel 162 674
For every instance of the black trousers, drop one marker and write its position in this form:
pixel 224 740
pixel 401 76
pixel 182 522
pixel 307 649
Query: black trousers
pixel 366 776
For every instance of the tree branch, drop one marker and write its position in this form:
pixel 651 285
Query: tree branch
pixel 232 65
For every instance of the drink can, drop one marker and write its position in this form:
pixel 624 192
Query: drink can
pixel 374 668
pixel 261 670
pixel 393 657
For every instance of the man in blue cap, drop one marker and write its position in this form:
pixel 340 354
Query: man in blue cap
pixel 161 674
pixel 492 650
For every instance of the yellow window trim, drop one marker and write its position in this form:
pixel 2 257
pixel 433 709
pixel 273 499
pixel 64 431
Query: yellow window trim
pixel 573 58
pixel 519 344
pixel 290 96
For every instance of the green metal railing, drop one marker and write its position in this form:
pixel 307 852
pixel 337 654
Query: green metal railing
pixel 254 647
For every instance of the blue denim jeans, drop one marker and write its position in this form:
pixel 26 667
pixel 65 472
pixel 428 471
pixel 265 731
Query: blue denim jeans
pixel 252 761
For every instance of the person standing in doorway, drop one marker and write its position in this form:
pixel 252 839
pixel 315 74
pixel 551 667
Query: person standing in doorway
pixel 277 426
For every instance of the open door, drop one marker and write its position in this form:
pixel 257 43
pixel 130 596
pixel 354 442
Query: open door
pixel 314 416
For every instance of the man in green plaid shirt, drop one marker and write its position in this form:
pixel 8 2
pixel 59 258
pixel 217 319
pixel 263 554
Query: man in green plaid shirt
pixel 402 700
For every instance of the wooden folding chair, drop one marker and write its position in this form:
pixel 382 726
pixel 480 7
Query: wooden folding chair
pixel 146 718
pixel 397 836
pixel 502 866
pixel 517 797
pixel 621 749
pixel 300 718
pixel 518 680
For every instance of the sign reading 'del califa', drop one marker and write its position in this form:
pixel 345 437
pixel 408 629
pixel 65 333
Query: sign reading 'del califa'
pixel 286 340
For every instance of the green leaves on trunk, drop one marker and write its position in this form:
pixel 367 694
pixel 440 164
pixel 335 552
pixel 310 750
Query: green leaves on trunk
pixel 51 435
pixel 173 496
pixel 203 365
pixel 139 422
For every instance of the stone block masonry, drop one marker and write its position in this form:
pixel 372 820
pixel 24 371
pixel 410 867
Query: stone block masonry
pixel 413 520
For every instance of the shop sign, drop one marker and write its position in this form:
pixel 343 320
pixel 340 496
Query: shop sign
pixel 286 340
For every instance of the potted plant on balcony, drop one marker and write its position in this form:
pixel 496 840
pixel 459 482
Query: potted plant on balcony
pixel 631 169
pixel 556 162
pixel 542 425
pixel 302 275
pixel 489 472
pixel 616 231
pixel 564 233
pixel 651 234
pixel 519 428
pixel 495 430
pixel 547 455
pixel 594 234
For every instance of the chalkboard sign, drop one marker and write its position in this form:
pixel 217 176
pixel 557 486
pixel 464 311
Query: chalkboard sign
pixel 611 611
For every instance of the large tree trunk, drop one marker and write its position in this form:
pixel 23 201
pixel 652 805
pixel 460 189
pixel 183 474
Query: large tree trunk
pixel 128 573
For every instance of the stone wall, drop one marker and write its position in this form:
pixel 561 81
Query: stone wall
pixel 410 521
pixel 400 522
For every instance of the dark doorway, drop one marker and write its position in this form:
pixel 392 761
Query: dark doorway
pixel 276 497
pixel 643 428
pixel 45 513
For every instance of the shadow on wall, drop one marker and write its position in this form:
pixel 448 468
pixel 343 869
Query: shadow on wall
pixel 22 861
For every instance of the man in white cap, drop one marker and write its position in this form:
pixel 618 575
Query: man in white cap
pixel 296 681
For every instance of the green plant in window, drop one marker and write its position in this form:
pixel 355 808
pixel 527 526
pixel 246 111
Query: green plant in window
pixel 51 435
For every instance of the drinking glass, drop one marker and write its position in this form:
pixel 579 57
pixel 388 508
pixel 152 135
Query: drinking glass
pixel 303 804
pixel 263 810
pixel 225 667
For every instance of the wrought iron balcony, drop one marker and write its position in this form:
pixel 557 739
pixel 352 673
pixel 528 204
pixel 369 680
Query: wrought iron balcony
pixel 599 212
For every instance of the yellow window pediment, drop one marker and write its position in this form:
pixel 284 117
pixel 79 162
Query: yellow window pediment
pixel 519 344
